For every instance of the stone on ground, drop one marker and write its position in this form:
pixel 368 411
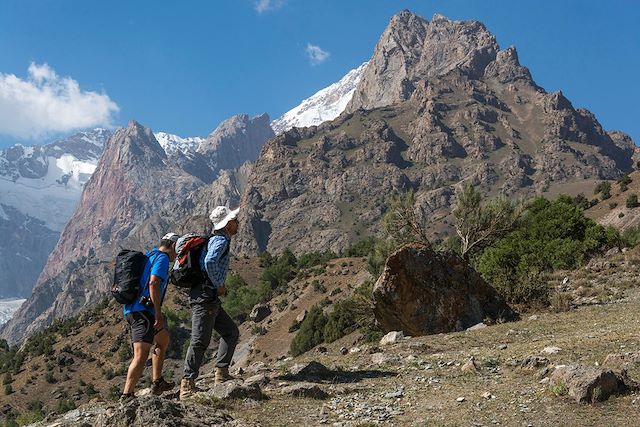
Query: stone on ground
pixel 587 384
pixel 309 390
pixel 392 338
pixel 236 389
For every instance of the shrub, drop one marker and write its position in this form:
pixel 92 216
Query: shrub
pixel 341 321
pixel 311 332
pixel 625 179
pixel 8 389
pixel 312 259
pixel 318 287
pixel 553 235
pixel 258 330
pixel 613 205
pixel 64 406
pixel 631 236
pixel 282 305
pixel 362 248
pixel 604 189
pixel 632 201
pixel 240 297
pixel 48 377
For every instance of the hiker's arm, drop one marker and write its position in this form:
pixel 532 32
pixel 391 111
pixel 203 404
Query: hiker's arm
pixel 156 299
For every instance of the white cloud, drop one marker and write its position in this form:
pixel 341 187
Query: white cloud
pixel 316 54
pixel 264 5
pixel 46 103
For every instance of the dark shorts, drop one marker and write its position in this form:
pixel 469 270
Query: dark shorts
pixel 141 323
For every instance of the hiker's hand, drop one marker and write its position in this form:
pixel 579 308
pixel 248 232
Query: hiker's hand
pixel 222 291
pixel 159 324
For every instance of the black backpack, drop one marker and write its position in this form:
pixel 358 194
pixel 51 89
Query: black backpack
pixel 186 271
pixel 127 275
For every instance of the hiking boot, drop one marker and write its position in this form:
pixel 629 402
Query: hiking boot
pixel 222 375
pixel 159 386
pixel 188 388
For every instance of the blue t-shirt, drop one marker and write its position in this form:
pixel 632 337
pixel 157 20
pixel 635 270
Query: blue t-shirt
pixel 158 265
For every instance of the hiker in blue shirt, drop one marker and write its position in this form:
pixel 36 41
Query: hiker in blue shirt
pixel 207 312
pixel 146 321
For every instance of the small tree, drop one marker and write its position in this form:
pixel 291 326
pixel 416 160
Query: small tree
pixel 632 201
pixel 479 225
pixel 402 222
pixel 604 189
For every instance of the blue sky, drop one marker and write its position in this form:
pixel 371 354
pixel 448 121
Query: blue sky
pixel 183 67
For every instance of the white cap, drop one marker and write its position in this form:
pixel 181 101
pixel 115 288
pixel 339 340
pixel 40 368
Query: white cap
pixel 171 236
pixel 221 215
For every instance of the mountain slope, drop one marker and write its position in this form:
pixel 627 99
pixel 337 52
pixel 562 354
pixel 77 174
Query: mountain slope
pixel 324 105
pixel 39 189
pixel 136 194
pixel 439 104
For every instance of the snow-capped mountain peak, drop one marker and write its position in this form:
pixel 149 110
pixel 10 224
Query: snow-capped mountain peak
pixel 173 144
pixel 326 104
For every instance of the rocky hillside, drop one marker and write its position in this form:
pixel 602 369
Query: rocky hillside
pixel 135 195
pixel 439 104
pixel 502 374
pixel 617 210
pixel 40 188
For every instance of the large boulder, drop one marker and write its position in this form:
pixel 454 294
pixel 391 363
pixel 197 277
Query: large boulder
pixel 587 384
pixel 423 292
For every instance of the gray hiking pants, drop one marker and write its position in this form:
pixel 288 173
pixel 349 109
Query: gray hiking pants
pixel 205 317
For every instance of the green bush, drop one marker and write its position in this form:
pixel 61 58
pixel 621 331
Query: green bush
pixel 312 259
pixel 632 201
pixel 362 248
pixel 604 189
pixel 311 332
pixel 341 321
pixel 240 297
pixel 553 235
pixel 64 406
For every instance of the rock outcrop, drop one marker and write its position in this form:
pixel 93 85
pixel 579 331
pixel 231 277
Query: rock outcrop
pixel 422 292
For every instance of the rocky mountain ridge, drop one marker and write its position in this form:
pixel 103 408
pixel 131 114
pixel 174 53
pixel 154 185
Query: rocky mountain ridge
pixel 439 105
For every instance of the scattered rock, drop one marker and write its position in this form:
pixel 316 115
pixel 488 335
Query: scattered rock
pixel 150 411
pixel 477 326
pixel 460 399
pixel 260 379
pixel 534 362
pixel 488 395
pixel 303 315
pixel 396 394
pixel 235 389
pixel 380 358
pixel 259 313
pixel 423 292
pixel 470 366
pixel 308 370
pixel 344 351
pixel 533 317
pixel 312 391
pixel 392 338
pixel 354 350
pixel 502 347
pixel 551 350
pixel 321 349
pixel 622 359
pixel 588 384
